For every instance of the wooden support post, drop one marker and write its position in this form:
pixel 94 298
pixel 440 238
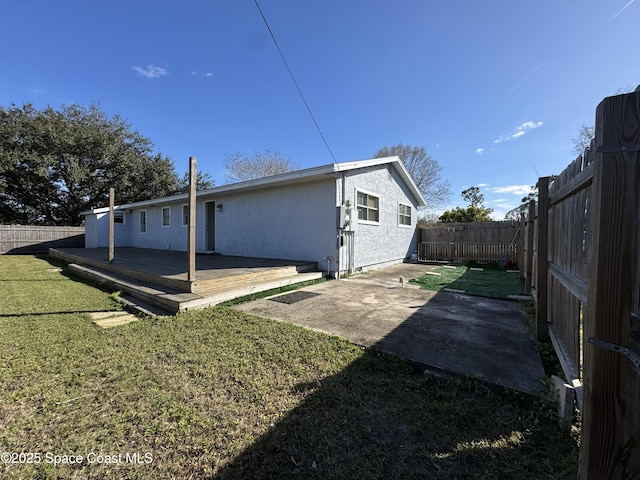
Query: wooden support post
pixel 542 330
pixel 528 261
pixel 112 202
pixel 614 206
pixel 191 275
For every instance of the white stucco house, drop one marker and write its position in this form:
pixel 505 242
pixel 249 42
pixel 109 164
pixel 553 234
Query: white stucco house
pixel 347 217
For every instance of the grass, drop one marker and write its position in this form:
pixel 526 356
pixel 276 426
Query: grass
pixel 492 281
pixel 220 394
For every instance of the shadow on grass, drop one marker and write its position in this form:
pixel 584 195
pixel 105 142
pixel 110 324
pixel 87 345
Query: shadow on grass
pixel 378 419
pixel 381 418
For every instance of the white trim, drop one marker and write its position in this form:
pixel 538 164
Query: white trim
pixel 162 214
pixel 369 194
pixel 299 176
pixel 146 221
pixel 122 214
pixel 182 214
pixel 402 225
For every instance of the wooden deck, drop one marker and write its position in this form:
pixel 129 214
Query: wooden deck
pixel 159 277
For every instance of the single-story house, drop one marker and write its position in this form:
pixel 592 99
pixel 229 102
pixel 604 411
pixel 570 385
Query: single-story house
pixel 347 217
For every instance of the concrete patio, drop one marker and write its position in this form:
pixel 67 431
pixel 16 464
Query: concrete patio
pixel 478 337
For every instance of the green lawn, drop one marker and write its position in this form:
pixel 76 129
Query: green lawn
pixel 220 394
pixel 491 281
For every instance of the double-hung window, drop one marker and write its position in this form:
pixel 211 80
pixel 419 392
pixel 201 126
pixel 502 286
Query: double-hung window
pixel 118 217
pixel 368 207
pixel 404 215
pixel 185 215
pixel 166 216
pixel 143 221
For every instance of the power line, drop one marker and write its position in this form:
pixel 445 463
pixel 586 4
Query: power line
pixel 294 80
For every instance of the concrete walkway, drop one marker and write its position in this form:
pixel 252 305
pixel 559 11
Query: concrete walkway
pixel 477 337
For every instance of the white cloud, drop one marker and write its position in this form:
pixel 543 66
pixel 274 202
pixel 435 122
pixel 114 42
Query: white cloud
pixel 513 189
pixel 519 131
pixel 479 151
pixel 205 75
pixel 483 185
pixel 151 71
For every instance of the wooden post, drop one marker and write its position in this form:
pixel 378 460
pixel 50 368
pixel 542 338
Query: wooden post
pixel 542 330
pixel 614 205
pixel 112 202
pixel 191 275
pixel 528 261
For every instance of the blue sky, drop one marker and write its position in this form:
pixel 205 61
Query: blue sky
pixel 493 90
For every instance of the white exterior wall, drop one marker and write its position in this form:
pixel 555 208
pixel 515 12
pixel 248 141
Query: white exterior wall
pixel 173 237
pixel 296 222
pixel 387 242
pixel 96 227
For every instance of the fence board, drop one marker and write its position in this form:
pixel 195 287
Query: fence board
pixel 38 239
pixel 473 241
pixel 593 283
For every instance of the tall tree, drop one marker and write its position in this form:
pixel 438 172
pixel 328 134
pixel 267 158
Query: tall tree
pixel 262 164
pixel 583 140
pixel 586 132
pixel 55 164
pixel 475 211
pixel 424 169
pixel 204 181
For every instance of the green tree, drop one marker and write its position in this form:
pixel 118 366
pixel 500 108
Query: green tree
pixel 475 211
pixel 204 181
pixel 55 164
pixel 424 169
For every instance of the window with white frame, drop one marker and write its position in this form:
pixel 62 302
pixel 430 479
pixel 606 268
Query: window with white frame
pixel 118 217
pixel 143 221
pixel 404 215
pixel 166 216
pixel 185 215
pixel 368 207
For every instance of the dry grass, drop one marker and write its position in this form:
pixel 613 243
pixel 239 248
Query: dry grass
pixel 220 394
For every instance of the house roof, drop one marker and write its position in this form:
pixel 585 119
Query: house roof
pixel 289 178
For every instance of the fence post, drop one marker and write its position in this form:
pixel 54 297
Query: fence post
pixel 542 330
pixel 614 204
pixel 531 220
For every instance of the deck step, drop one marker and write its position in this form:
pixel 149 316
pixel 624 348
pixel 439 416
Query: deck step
pixel 213 296
pixel 151 299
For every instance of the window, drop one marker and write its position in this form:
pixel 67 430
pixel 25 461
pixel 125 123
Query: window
pixel 404 215
pixel 368 206
pixel 118 217
pixel 143 221
pixel 185 215
pixel 166 216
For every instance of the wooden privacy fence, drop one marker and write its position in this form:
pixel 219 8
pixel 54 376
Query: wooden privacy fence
pixel 582 264
pixel 471 241
pixel 38 239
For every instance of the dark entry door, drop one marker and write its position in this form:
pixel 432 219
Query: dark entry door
pixel 210 226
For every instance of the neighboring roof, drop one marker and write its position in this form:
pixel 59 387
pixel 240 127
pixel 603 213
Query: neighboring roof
pixel 289 178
